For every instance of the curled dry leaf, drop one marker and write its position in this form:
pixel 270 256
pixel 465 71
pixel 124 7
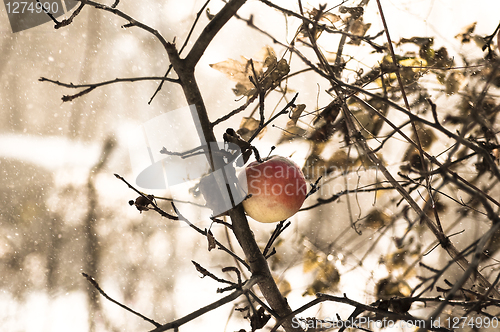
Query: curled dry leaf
pixel 259 319
pixel 142 203
pixel 297 112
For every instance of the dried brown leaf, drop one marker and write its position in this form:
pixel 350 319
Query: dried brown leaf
pixel 211 240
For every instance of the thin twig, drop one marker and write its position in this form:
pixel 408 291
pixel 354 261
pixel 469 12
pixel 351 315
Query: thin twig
pixel 150 200
pixel 384 313
pixel 92 86
pixel 285 110
pixel 116 80
pixel 325 27
pixel 94 283
pixel 198 15
pixel 280 227
pixel 132 21
pixel 236 111
pixel 195 314
pixel 414 127
pixel 204 233
pixel 70 19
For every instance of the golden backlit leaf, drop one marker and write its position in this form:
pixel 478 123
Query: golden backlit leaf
pixel 327 280
pixel 238 71
pixel 284 286
pixel 396 260
pixel 465 35
pixel 426 135
pixel 414 62
pixel 329 274
pixel 242 90
pixel 388 288
pixel 292 132
pixel 268 55
pixel 340 160
pixel 274 74
pixel 454 82
pixel 314 167
pixel 248 127
pixel 377 218
pixel 419 41
pixel 369 122
pixel 311 261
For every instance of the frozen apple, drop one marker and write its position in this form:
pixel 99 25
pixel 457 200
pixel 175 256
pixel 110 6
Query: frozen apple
pixel 276 188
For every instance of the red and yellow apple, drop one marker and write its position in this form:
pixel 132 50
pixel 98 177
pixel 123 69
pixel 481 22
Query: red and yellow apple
pixel 276 189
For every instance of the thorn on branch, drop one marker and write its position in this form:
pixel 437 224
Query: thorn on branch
pixel 206 273
pixel 218 221
pixel 69 20
pixel 280 227
pixel 314 187
pixel 72 97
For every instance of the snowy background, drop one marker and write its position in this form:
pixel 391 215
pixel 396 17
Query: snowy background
pixel 48 150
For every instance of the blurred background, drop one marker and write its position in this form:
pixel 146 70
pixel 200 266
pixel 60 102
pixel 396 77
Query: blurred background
pixel 62 211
